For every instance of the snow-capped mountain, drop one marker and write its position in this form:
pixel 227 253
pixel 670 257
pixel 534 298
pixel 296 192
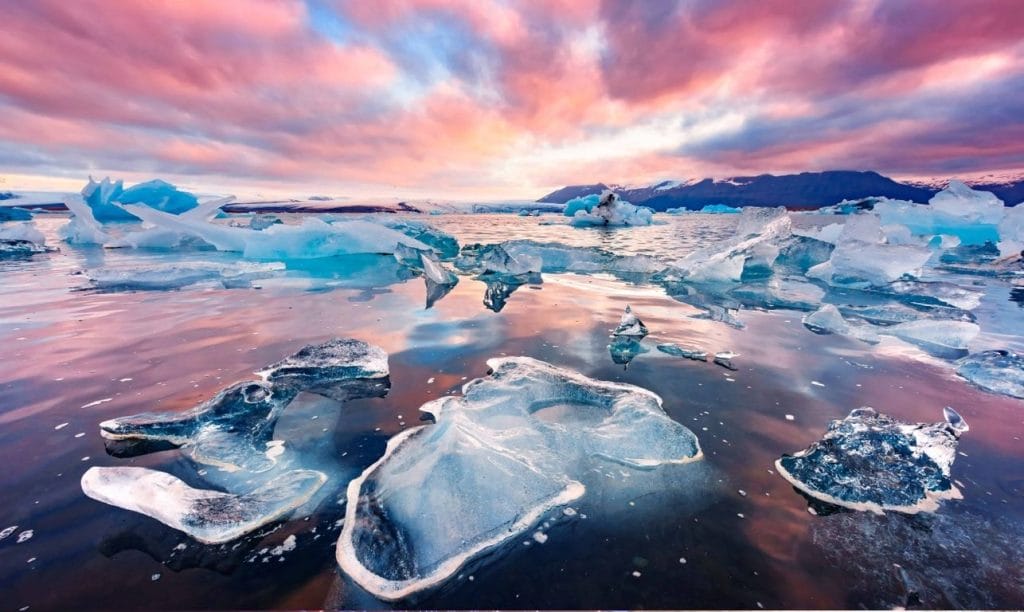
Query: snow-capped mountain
pixel 804 190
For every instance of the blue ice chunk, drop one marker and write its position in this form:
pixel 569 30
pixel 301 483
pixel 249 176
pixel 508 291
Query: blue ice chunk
pixel 585 203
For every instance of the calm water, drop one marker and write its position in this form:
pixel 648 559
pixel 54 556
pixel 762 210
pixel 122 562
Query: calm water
pixel 679 539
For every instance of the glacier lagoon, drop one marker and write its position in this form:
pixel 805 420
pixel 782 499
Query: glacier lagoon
pixel 91 334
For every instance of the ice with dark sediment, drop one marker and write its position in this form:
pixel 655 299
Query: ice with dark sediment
pixel 997 371
pixel 630 326
pixel 169 276
pixel 828 320
pixel 871 462
pixel 211 517
pixel 515 444
pixel 328 368
pixel 686 353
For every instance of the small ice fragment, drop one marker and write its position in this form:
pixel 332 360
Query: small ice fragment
pixel 569 511
pixel 790 417
pixel 742 493
pixel 154 577
pixel 430 380
pixel 288 545
pixel 740 514
pixel 25 536
pixel 60 427
pixel 817 384
pixel 636 574
pixel 954 419
pixel 7 531
pixel 682 560
pixel 630 326
pixel 98 402
pixel 686 353
pixel 724 359
pixel 540 537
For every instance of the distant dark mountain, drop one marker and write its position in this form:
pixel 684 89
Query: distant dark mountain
pixel 804 190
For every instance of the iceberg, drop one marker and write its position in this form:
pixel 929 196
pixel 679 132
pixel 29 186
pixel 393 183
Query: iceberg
pixel 584 203
pixel 311 239
pixel 996 371
pixel 973 217
pixel 11 213
pixel 104 197
pixel 211 517
pixel 759 236
pixel 611 211
pixel 630 326
pixel 863 258
pixel 686 353
pixel 1011 233
pixel 515 445
pixel 828 320
pixel 82 228
pixel 165 276
pixel 871 462
pixel 724 359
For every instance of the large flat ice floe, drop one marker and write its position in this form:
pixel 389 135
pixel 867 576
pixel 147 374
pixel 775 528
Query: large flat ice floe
pixel 233 432
pixel 211 517
pixel 871 462
pixel 513 446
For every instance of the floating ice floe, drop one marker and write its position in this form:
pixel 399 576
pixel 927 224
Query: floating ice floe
pixel 828 320
pixel 231 430
pixel 686 353
pixel 724 359
pixel 943 338
pixel 493 259
pixel 996 371
pixel 313 238
pixel 19 240
pixel 871 462
pixel 513 446
pixel 211 517
pixel 11 213
pixel 608 210
pixel 630 326
pixel 167 276
pixel 440 242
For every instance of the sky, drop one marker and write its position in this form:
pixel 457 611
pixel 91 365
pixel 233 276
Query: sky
pixel 490 99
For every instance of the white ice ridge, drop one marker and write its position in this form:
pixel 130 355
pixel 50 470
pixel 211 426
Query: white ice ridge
pixel 311 239
pixel 513 446
pixel 209 516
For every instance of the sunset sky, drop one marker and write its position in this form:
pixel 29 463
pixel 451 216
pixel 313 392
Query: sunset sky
pixel 492 99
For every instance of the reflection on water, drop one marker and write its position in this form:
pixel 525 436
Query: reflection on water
pixel 80 357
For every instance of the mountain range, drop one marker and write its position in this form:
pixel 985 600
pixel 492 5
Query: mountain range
pixel 804 190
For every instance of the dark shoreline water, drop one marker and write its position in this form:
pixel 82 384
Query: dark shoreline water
pixel 66 350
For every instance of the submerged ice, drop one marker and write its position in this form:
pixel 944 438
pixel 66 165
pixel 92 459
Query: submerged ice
pixel 997 371
pixel 514 445
pixel 871 462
